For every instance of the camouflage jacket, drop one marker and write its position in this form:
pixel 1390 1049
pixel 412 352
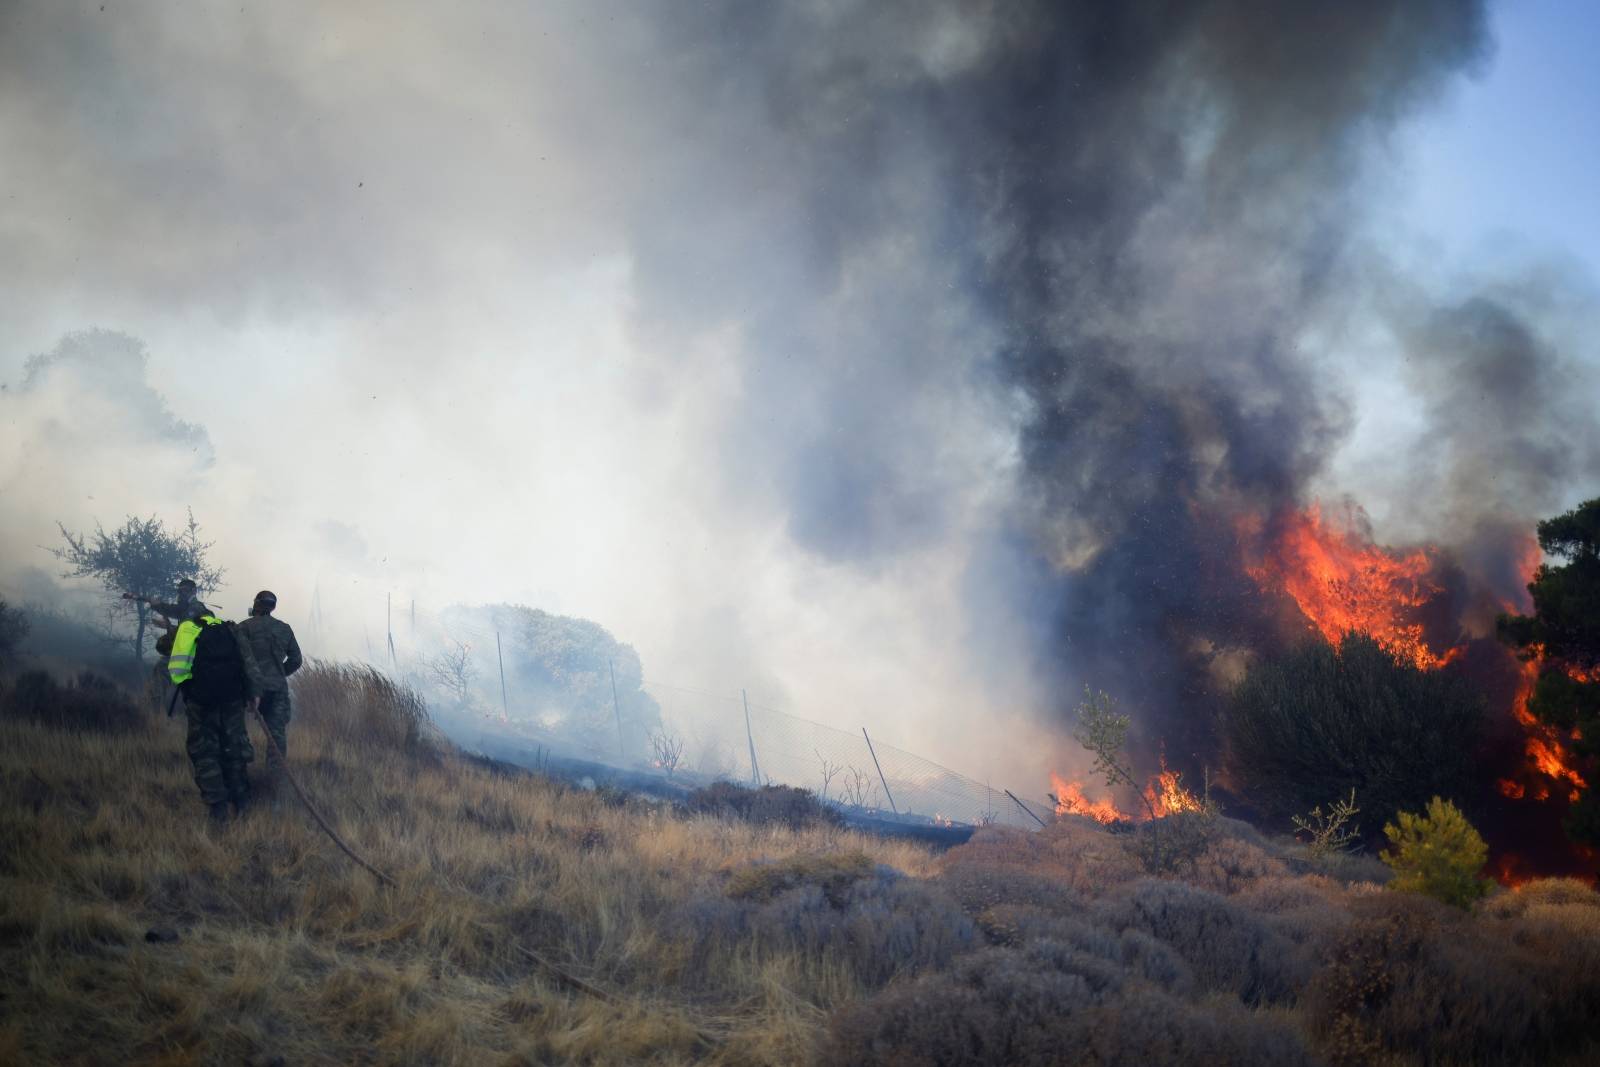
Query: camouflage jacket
pixel 275 650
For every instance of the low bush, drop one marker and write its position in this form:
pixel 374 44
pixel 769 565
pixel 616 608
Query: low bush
pixel 770 805
pixel 1229 865
pixel 89 702
pixel 1228 948
pixel 1049 1004
pixel 1437 854
pixel 1418 979
pixel 1543 892
pixel 14 627
pixel 1082 858
pixel 833 874
pixel 875 922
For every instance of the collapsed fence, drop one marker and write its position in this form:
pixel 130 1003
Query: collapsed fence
pixel 700 735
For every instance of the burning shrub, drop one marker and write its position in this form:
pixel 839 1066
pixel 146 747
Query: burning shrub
pixel 1228 948
pixel 89 702
pixel 771 805
pixel 1047 1004
pixel 1438 854
pixel 1323 721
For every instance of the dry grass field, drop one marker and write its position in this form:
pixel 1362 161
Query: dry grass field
pixel 132 932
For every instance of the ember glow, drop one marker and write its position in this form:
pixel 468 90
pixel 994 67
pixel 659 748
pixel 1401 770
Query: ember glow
pixel 1343 582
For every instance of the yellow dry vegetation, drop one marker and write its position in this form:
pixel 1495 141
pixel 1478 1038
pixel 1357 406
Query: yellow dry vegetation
pixel 287 949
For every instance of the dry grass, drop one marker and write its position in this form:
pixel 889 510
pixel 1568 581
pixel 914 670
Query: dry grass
pixel 719 940
pixel 287 949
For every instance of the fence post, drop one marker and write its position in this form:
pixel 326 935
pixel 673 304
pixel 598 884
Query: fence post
pixel 755 768
pixel 616 706
pixel 388 625
pixel 881 778
pixel 505 709
pixel 1024 807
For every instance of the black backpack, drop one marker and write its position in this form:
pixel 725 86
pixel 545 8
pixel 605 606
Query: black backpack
pixel 218 669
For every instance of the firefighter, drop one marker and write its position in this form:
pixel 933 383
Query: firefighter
pixel 214 669
pixel 277 654
pixel 173 613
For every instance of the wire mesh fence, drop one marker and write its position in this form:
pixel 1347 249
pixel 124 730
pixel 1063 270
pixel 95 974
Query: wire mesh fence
pixel 700 734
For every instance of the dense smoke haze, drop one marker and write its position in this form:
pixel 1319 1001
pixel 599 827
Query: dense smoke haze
pixel 909 364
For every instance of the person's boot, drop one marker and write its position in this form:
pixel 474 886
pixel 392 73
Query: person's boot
pixel 219 814
pixel 241 804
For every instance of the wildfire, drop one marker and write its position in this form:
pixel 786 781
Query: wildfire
pixel 1547 754
pixel 1070 799
pixel 1342 582
pixel 1165 794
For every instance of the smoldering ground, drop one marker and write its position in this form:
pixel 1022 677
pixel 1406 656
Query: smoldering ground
pixel 906 360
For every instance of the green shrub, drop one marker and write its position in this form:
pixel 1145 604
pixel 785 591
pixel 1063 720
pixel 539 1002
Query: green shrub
pixel 1320 722
pixel 1438 854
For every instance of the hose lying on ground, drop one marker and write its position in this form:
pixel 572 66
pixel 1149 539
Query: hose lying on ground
pixel 552 969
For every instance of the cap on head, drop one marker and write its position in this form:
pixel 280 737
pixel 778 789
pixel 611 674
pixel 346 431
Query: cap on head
pixel 266 599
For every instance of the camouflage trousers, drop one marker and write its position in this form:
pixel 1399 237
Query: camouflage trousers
pixel 275 712
pixel 219 751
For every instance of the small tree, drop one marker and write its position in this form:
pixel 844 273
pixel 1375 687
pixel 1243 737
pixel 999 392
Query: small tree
pixel 1438 854
pixel 1319 721
pixel 13 628
pixel 668 749
pixel 830 770
pixel 141 557
pixel 1563 636
pixel 859 790
pixel 1332 831
pixel 1166 841
pixel 452 670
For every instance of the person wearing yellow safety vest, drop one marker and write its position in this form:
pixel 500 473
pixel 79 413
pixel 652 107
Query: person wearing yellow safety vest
pixel 212 666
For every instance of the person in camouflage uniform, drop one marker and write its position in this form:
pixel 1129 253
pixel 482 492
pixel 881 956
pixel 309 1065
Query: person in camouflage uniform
pixel 219 747
pixel 277 654
pixel 177 610
pixel 159 687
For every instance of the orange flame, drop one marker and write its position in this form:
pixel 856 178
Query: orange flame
pixel 1546 753
pixel 1344 583
pixel 1165 794
pixel 1070 799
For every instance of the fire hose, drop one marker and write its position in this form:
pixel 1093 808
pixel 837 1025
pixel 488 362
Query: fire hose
pixel 550 968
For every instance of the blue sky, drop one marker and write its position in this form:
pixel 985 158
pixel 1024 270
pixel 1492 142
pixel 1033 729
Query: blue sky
pixel 1516 152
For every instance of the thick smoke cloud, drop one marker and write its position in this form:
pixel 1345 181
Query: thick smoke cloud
pixel 1111 222
pixel 908 360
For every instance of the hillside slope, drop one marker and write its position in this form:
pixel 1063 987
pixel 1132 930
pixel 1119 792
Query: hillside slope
pixel 131 931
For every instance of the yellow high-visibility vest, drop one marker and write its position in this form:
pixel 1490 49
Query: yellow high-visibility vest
pixel 180 665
